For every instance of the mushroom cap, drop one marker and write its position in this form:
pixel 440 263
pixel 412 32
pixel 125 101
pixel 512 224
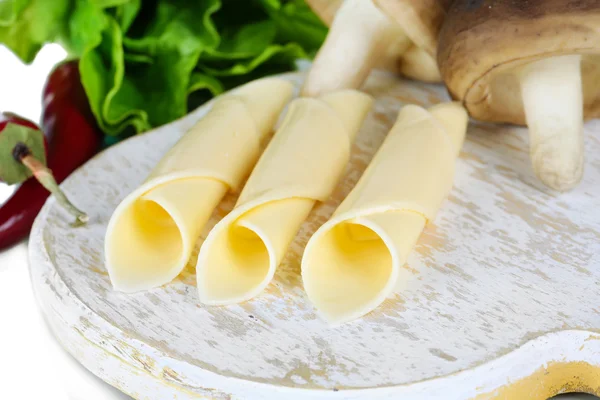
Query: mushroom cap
pixel 483 43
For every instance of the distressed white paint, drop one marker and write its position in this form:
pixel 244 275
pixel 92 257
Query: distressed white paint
pixel 504 265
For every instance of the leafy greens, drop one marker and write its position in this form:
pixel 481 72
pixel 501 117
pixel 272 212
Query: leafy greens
pixel 146 63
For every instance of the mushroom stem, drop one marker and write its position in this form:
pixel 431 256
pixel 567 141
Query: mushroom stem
pixel 553 103
pixel 359 36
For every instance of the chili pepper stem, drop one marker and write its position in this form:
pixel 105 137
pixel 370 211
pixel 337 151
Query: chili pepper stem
pixel 45 177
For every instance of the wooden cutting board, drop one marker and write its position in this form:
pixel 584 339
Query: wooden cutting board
pixel 500 299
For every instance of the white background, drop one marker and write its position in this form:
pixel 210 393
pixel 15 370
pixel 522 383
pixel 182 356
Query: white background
pixel 32 364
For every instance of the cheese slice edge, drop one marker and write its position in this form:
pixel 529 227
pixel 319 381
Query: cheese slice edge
pixel 153 231
pixel 354 261
pixel 301 166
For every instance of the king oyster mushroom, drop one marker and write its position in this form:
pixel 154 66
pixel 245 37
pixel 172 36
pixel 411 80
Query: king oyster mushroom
pixel 399 35
pixel 532 62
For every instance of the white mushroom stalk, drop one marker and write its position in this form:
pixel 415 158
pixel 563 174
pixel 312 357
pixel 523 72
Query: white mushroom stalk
pixel 553 103
pixel 359 37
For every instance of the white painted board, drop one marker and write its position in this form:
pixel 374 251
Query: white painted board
pixel 502 293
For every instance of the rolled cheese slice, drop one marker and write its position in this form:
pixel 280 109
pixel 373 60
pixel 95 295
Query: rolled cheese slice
pixel 301 166
pixel 353 262
pixel 153 231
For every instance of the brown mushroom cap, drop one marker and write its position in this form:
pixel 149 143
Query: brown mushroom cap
pixel 483 42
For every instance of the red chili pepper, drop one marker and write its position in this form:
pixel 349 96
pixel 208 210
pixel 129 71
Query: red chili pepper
pixel 72 138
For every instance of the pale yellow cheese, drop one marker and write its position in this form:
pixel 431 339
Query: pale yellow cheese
pixel 353 262
pixel 301 166
pixel 153 231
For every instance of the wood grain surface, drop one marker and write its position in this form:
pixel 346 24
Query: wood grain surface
pixel 502 290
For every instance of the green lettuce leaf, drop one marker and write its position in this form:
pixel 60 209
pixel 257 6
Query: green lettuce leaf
pixel 150 87
pixel 26 25
pixel 296 23
pixel 146 63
